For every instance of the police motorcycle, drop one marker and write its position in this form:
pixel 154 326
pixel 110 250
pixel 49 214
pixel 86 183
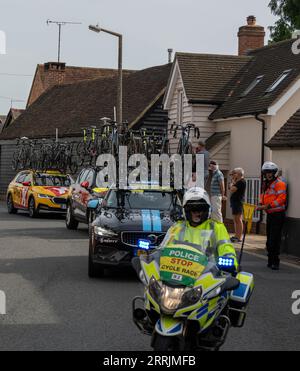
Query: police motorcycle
pixel 191 297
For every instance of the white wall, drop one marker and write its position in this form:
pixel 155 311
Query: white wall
pixel 245 144
pixel 196 114
pixel 289 161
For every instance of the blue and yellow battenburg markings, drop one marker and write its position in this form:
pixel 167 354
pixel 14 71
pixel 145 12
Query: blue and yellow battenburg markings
pixel 151 221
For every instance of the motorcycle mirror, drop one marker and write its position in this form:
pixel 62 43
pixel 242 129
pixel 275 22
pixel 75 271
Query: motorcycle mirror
pixel 136 264
pixel 231 284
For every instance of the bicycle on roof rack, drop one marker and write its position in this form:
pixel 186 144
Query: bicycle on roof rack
pixel 185 145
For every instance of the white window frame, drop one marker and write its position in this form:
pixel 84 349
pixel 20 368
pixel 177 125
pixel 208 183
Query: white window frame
pixel 252 86
pixel 280 79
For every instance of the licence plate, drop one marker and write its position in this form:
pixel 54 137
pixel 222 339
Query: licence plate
pixel 64 207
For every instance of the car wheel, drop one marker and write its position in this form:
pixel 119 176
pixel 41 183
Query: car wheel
pixel 33 212
pixel 10 205
pixel 71 222
pixel 94 270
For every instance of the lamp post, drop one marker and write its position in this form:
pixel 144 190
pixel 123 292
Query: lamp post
pixel 120 84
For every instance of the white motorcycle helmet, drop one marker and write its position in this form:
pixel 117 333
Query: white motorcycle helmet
pixel 196 199
pixel 270 167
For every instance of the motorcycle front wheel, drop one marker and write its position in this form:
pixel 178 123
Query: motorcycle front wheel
pixel 167 343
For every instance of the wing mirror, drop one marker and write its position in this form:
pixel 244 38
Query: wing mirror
pixel 26 184
pixel 85 184
pixel 93 204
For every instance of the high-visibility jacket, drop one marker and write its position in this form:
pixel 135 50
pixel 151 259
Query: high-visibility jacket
pixel 275 196
pixel 214 232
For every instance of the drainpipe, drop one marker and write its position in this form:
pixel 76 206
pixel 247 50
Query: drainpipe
pixel 263 139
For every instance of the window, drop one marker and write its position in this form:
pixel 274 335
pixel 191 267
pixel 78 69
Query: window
pixel 252 86
pixel 47 180
pixel 282 77
pixel 148 200
pixel 28 178
pixel 21 177
pixel 180 107
pixel 82 176
pixel 90 177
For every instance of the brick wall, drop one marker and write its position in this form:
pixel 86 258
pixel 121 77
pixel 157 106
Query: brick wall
pixel 250 36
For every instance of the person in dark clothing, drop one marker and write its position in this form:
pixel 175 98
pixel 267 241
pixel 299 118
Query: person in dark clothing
pixel 237 190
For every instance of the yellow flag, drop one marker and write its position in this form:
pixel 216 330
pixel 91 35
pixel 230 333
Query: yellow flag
pixel 248 215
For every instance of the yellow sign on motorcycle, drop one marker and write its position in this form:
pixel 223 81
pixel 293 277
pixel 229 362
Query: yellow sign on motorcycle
pixel 181 265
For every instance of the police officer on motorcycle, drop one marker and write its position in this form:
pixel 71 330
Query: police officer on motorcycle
pixel 197 223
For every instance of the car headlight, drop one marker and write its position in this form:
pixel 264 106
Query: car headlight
pixel 99 231
pixel 43 196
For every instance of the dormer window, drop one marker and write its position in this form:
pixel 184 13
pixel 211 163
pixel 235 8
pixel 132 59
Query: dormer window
pixel 252 86
pixel 280 79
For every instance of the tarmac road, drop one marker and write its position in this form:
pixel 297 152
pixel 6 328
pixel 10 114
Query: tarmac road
pixel 53 305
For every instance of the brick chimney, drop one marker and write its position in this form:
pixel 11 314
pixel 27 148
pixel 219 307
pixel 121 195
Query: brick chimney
pixel 251 36
pixel 54 74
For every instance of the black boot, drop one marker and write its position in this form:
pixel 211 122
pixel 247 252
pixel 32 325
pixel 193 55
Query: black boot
pixel 275 267
pixel 270 263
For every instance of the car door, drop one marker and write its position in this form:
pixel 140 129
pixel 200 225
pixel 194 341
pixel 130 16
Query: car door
pixel 17 189
pixel 86 192
pixel 26 190
pixel 75 193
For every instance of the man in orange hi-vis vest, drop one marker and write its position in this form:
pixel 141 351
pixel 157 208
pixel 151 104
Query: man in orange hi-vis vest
pixel 273 201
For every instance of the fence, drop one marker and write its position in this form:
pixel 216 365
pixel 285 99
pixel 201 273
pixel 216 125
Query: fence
pixel 252 194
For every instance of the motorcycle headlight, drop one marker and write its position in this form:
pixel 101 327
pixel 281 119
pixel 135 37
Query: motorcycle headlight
pixel 191 297
pixel 99 231
pixel 155 289
pixel 171 298
pixel 43 196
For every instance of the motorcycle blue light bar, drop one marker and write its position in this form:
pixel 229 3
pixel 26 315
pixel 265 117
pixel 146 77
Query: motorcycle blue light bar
pixel 144 244
pixel 225 262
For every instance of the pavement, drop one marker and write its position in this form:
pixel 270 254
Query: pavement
pixel 53 305
pixel 256 244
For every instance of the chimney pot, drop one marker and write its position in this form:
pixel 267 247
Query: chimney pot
pixel 251 20
pixel 251 36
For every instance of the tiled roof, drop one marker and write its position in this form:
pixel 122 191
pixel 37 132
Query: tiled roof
pixel 2 121
pixel 16 112
pixel 209 78
pixel 288 135
pixel 270 61
pixel 72 107
pixel 68 75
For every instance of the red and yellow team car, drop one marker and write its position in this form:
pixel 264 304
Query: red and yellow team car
pixel 36 191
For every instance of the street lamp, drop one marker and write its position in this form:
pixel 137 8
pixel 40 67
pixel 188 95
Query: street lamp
pixel 120 85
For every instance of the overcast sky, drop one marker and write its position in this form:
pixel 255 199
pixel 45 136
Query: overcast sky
pixel 149 28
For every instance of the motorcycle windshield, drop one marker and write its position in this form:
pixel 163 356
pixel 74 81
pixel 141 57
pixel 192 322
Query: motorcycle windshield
pixel 182 263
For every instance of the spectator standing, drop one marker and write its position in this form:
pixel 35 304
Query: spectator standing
pixel 237 197
pixel 273 201
pixel 217 191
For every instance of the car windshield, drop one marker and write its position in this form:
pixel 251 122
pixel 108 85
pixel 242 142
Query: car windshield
pixel 139 199
pixel 49 180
